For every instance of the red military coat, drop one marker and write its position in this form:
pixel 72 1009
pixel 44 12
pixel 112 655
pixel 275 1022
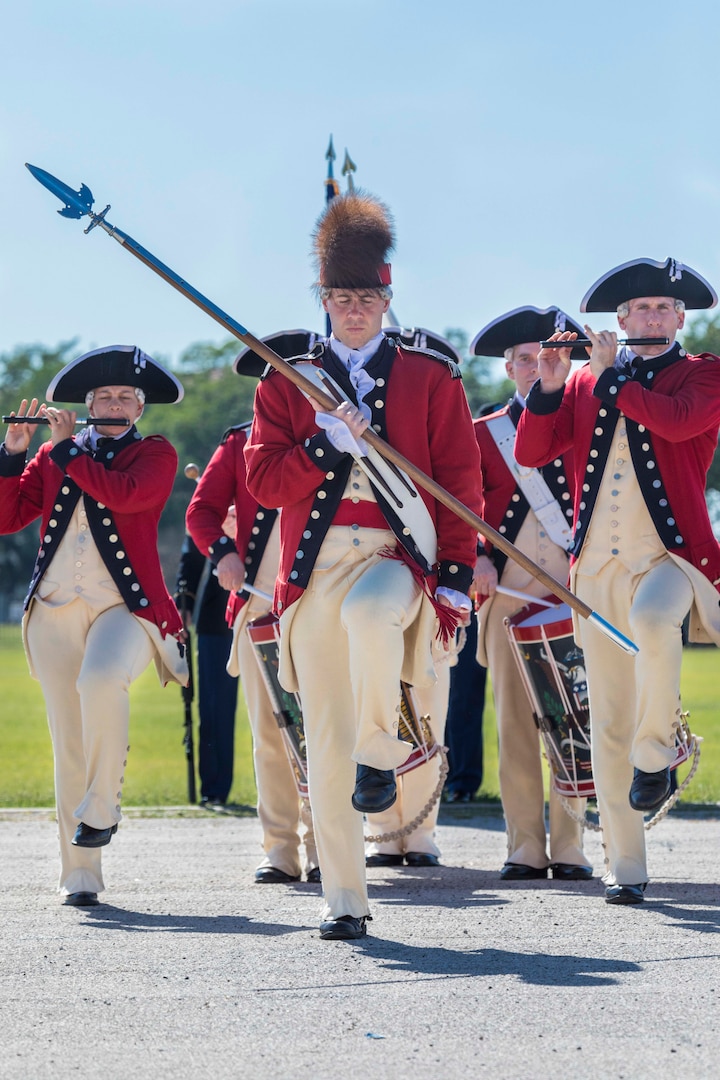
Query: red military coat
pixel 124 501
pixel 673 414
pixel 223 484
pixel 420 408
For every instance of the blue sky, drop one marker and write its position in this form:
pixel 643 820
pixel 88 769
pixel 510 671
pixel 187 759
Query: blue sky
pixel 524 149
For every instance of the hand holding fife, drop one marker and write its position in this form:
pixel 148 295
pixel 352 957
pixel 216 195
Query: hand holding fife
pixel 554 364
pixel 604 350
pixel 62 423
pixel 18 436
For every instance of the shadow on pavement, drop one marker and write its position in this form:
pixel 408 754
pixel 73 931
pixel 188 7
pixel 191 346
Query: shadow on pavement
pixel 107 917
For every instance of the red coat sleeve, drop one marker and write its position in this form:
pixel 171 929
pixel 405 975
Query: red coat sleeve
pixel 222 485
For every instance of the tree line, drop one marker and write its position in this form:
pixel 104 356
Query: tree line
pixel 216 399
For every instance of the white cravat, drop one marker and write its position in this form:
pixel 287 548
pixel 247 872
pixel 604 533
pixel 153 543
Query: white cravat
pixel 355 361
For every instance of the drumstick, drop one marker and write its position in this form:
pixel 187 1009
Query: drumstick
pixel 251 589
pixel 526 597
pixel 256 592
pixel 501 589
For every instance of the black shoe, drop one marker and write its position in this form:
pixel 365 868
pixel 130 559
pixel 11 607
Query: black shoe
pixel 86 836
pixel 649 790
pixel 375 789
pixel 346 928
pixel 421 858
pixel 211 803
pixel 457 797
pixel 81 899
pixel 270 875
pixel 380 859
pixel 570 872
pixel 515 871
pixel 314 876
pixel 624 894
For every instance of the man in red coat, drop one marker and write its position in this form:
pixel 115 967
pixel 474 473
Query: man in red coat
pixel 643 422
pixel 359 584
pixel 250 558
pixel 533 510
pixel 98 610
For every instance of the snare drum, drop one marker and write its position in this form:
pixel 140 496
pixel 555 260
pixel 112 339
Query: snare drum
pixel 552 669
pixel 414 729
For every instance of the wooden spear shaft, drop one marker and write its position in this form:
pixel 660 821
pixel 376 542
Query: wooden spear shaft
pixel 78 204
pixel 424 481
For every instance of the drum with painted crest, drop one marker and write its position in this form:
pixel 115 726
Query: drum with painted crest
pixel 552 670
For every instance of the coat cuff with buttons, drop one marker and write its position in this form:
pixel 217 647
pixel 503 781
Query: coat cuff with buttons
pixel 220 548
pixel 322 453
pixel 543 404
pixel 11 464
pixel 66 452
pixel 455 575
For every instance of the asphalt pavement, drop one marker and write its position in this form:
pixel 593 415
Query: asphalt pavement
pixel 191 970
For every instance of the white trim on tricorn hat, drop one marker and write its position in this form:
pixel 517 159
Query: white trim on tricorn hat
pixel 646 277
pixel 286 343
pixel 115 365
pixel 524 324
pixel 419 338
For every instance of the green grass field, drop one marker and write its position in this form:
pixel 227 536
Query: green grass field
pixel 157 773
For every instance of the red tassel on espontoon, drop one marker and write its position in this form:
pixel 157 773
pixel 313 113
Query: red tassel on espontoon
pixel 448 617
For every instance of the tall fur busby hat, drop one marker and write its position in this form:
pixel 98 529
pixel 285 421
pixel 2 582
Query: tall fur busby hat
pixel 351 243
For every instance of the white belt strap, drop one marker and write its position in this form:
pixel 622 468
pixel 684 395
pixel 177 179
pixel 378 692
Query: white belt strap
pixel 531 482
pixel 400 490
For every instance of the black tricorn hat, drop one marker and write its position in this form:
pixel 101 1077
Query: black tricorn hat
pixel 286 343
pixel 115 365
pixel 352 240
pixel 645 277
pixel 524 324
pixel 419 338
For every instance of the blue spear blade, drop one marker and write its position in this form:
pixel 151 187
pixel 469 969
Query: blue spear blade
pixel 77 203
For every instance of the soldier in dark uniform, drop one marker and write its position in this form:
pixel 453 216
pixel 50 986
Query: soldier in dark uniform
pixel 248 556
pixel 202 600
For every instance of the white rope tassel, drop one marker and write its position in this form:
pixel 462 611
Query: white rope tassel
pixel 672 799
pixel 587 823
